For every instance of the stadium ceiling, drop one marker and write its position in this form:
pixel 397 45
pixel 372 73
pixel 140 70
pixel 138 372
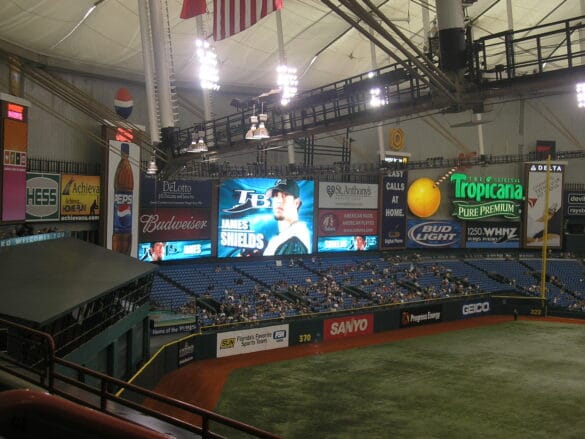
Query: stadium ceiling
pixel 323 46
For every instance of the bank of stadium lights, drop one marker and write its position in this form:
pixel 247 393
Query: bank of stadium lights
pixel 376 99
pixel 287 82
pixel 208 73
pixel 581 95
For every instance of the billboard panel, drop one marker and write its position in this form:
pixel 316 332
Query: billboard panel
pixel 174 193
pixel 80 197
pixel 348 326
pixel 42 196
pixel 535 205
pixel 265 216
pixel 122 206
pixel 574 204
pixel 252 340
pixel 174 224
pixel 393 233
pixel 347 222
pixel 434 234
pixel 347 243
pixel 348 196
pixel 492 235
pixel 158 251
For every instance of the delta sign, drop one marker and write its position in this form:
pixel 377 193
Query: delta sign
pixel 482 197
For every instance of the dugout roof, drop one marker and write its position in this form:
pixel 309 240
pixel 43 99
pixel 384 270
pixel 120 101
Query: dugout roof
pixel 43 280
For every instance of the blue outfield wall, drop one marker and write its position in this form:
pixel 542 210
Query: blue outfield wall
pixel 316 329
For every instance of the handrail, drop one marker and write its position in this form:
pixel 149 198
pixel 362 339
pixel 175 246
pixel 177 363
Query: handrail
pixel 107 384
pixel 24 410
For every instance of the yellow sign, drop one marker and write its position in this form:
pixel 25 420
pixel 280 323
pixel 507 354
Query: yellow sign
pixel 80 197
pixel 396 139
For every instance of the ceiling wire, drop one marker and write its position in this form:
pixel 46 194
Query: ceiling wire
pixel 85 17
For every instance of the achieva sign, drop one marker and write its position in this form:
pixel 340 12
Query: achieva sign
pixel 482 197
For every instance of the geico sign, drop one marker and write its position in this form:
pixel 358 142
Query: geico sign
pixel 475 308
pixel 349 326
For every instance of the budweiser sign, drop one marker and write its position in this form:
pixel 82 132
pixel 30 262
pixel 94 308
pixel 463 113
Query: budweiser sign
pixel 174 224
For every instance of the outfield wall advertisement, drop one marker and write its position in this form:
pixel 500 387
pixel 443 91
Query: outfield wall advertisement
pixel 252 340
pixel 420 316
pixel 348 326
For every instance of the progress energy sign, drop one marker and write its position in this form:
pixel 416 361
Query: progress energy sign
pixel 482 197
pixel 492 235
pixel 252 340
pixel 420 316
pixel 537 213
pixel 394 209
pixel 42 196
pixel 434 234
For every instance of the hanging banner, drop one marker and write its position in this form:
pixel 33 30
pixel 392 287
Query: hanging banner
pixel 537 213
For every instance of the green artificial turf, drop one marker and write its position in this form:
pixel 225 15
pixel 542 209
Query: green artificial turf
pixel 521 379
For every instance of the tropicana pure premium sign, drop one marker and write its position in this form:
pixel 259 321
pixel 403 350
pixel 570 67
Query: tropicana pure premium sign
pixel 482 197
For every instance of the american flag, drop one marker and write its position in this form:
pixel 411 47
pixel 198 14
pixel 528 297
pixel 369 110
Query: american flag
pixel 233 16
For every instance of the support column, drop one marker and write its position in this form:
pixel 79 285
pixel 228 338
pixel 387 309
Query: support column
pixel 162 63
pixel 582 33
pixel 207 102
pixel 149 75
pixel 379 129
pixel 481 148
pixel 290 144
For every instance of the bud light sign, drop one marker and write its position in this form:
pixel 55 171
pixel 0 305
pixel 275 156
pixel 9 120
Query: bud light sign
pixel 434 234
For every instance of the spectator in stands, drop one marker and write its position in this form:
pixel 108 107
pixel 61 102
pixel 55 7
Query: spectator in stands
pixel 294 236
